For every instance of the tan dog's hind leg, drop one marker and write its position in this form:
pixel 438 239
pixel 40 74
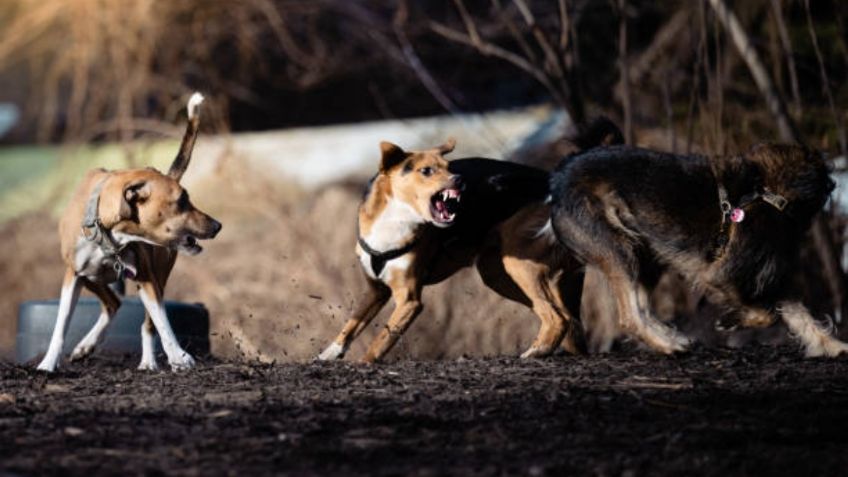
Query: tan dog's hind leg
pixel 635 317
pixel 817 340
pixel 531 277
pixel 71 286
pixel 109 304
pixel 374 300
pixel 407 307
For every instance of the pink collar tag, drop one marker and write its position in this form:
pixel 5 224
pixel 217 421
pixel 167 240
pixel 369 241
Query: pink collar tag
pixel 737 215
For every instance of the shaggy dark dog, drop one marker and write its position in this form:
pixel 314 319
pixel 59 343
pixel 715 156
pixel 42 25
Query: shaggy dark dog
pixel 731 226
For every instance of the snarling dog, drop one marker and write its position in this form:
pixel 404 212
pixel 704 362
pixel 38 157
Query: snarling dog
pixel 129 224
pixel 424 218
pixel 732 226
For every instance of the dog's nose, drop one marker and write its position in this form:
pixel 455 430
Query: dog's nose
pixel 216 227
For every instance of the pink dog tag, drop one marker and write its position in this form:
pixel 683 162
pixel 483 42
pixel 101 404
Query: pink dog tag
pixel 737 215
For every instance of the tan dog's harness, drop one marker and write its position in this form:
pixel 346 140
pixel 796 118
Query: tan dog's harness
pixel 94 231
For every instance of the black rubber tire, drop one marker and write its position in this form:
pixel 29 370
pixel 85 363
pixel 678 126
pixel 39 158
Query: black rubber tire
pixel 36 320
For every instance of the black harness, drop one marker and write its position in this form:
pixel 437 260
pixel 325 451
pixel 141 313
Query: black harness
pixel 379 259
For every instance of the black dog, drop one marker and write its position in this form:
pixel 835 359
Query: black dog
pixel 732 226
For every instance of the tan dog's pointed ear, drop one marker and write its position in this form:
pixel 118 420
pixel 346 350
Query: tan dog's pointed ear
pixel 122 204
pixel 391 155
pixel 447 147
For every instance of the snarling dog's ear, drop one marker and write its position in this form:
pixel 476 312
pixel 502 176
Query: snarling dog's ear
pixel 391 156
pixel 447 147
pixel 123 205
pixel 180 164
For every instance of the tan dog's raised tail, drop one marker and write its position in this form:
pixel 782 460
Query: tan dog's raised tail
pixel 129 224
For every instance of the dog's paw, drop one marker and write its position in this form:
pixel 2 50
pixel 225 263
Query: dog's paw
pixel 828 347
pixel 81 351
pixel 665 339
pixel 334 351
pixel 537 352
pixel 148 365
pixel 181 362
pixel 46 366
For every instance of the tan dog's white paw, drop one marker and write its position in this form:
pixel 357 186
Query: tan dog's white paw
pixel 46 366
pixel 81 351
pixel 148 365
pixel 182 362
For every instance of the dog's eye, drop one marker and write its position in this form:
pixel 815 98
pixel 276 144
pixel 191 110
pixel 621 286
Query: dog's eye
pixel 426 171
pixel 183 202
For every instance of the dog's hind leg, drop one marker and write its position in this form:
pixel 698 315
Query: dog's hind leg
pixel 407 307
pixel 374 300
pixel 109 304
pixel 635 317
pixel 71 287
pixel 539 283
pixel 817 340
pixel 568 292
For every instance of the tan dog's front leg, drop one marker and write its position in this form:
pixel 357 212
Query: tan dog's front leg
pixel 151 296
pixel 375 298
pixel 407 307
pixel 148 355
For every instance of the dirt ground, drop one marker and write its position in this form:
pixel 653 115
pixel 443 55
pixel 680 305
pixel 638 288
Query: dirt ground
pixel 761 410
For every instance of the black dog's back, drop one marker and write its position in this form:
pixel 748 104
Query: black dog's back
pixel 494 191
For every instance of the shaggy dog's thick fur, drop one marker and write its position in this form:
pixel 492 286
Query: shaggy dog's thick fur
pixel 732 226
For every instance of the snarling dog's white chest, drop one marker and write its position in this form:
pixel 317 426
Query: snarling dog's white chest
pixel 393 229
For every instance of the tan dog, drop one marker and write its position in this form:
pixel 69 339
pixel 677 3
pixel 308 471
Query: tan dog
pixel 129 224
pixel 423 219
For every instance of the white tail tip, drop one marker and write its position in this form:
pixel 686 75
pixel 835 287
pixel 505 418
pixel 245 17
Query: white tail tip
pixel 194 104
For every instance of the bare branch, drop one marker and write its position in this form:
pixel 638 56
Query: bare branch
pixel 415 63
pixel 785 125
pixel 840 127
pixel 783 33
pixel 490 49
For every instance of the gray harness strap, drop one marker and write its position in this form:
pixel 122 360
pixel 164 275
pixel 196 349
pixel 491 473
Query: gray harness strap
pixel 94 231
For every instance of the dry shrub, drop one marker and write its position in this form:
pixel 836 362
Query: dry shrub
pixel 101 68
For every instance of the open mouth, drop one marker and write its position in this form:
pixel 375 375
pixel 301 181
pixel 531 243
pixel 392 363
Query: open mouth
pixel 444 206
pixel 189 245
